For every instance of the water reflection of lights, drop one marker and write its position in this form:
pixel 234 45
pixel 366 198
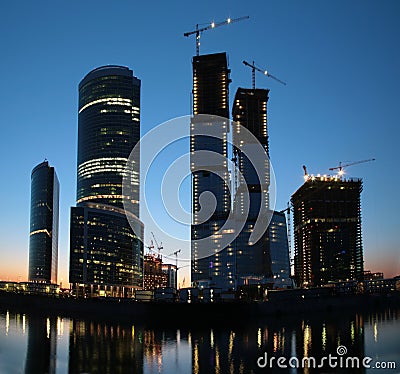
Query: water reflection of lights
pixel 307 340
pixel 375 332
pixel 352 332
pixel 231 338
pixel 275 341
pixel 7 322
pixel 217 365
pixel 60 326
pixel 48 327
pixel 196 359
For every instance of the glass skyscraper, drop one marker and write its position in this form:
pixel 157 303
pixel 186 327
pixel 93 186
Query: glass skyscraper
pixel 108 129
pixel 43 240
pixel 279 249
pixel 106 256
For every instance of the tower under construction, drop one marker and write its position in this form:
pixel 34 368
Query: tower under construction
pixel 327 230
pixel 214 264
pixel 249 110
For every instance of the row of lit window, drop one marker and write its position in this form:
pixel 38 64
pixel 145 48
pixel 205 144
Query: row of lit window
pixel 108 101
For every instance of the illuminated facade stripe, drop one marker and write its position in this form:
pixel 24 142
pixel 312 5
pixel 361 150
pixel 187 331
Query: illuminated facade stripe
pixel 108 101
pixel 40 231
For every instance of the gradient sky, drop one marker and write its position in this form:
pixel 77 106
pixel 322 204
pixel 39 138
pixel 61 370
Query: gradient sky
pixel 340 60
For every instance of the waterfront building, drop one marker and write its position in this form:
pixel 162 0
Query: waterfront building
pixel 214 264
pixel 106 255
pixel 368 275
pixel 253 260
pixel 43 236
pixel 327 231
pixel 279 250
pixel 172 274
pixel 154 277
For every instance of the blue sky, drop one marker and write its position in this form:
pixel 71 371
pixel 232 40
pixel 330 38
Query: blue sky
pixel 340 60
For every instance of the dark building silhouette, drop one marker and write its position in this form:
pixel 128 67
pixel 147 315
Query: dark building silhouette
pixel 327 231
pixel 106 256
pixel 279 250
pixel 210 97
pixel 253 260
pixel 43 241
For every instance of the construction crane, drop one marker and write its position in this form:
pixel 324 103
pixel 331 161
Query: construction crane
pixel 212 25
pixel 176 257
pixel 159 246
pixel 254 68
pixel 305 172
pixel 341 166
pixel 151 246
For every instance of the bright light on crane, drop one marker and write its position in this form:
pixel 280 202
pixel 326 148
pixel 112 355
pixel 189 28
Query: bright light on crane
pixel 254 68
pixel 212 25
pixel 341 166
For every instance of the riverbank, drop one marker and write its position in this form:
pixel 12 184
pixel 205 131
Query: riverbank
pixel 177 314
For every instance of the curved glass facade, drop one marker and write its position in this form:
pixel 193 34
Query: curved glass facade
pixel 108 130
pixel 106 255
pixel 43 240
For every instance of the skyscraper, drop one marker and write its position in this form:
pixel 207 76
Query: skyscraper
pixel 106 256
pixel 327 231
pixel 253 260
pixel 210 97
pixel 279 249
pixel 108 129
pixel 43 241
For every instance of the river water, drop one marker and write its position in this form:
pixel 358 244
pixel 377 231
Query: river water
pixel 53 344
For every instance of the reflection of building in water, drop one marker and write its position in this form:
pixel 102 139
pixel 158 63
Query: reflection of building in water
pixel 166 351
pixel 101 347
pixel 320 338
pixel 152 349
pixel 236 351
pixel 41 354
pixel 223 350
